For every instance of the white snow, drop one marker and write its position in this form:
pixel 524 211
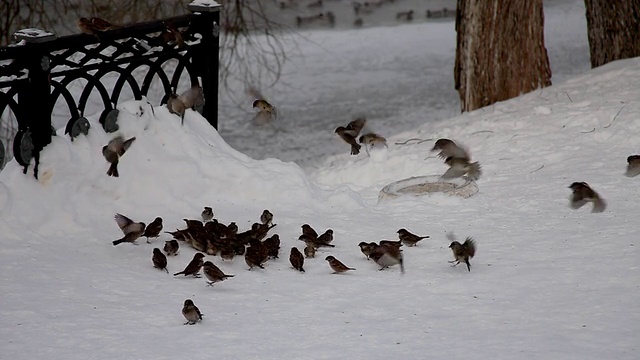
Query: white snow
pixel 547 282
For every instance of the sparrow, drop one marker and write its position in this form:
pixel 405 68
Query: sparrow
pixel 178 234
pixel 459 167
pixel 308 230
pixel 259 231
pixel 371 140
pixel 266 218
pixel 408 238
pixel 633 166
pixel 326 237
pixel 349 139
pixel 102 25
pixel 311 241
pixel 213 273
pixel 272 245
pixel 463 252
pixel 193 98
pixel 367 248
pixel 386 256
pixel 227 252
pixel 336 265
pixel 153 229
pixel 159 260
pixel 193 268
pixel 449 148
pixel 191 312
pixel 171 35
pixel 207 214
pixel 113 151
pixel 296 259
pixel 265 110
pixel 310 251
pixel 132 231
pixel 176 106
pixel 86 26
pixel 582 193
pixel 396 244
pixel 194 224
pixel 253 258
pixel 171 247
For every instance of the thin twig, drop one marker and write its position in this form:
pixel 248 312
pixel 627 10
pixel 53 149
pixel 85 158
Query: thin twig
pixel 588 132
pixel 482 131
pixel 537 169
pixel 419 141
pixel 614 118
pixel 568 96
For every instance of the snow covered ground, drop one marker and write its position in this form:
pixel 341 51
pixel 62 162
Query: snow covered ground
pixel 547 282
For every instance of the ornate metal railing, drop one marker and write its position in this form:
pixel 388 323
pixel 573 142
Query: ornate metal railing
pixel 37 71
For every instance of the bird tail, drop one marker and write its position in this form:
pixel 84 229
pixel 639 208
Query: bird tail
pixel 355 149
pixel 178 273
pixel 475 170
pixel 599 205
pixel 228 276
pixel 118 242
pixel 113 169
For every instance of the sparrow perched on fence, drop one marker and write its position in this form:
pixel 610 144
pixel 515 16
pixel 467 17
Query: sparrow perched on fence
pixel 309 251
pixel 266 218
pixel 449 148
pixel 172 35
pixel 337 266
pixel 408 238
pixel 462 252
pixel 132 230
pixel 633 166
pixel 296 259
pixel 582 193
pixel 159 260
pixel 94 25
pixel 191 312
pixel 113 151
pixel 193 268
pixel 386 256
pixel 459 167
pixel 207 214
pixel 153 229
pixel 171 247
pixel 213 273
pixel 367 248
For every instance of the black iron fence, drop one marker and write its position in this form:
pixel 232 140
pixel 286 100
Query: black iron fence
pixel 37 71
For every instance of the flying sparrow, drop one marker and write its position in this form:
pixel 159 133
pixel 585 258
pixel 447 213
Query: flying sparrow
pixel 408 238
pixel 193 268
pixel 336 265
pixel 113 151
pixel 213 273
pixel 207 214
pixel 371 140
pixel 159 260
pixel 349 139
pixel 266 218
pixel 153 229
pixel 582 194
pixel 459 167
pixel 386 256
pixel 633 166
pixel 463 252
pixel 171 247
pixel 310 251
pixel 132 231
pixel 449 148
pixel 191 312
pixel 296 259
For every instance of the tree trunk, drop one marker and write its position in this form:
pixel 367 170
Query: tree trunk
pixel 614 30
pixel 500 51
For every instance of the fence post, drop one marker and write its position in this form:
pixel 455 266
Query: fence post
pixel 206 55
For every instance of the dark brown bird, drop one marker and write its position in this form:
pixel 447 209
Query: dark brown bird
pixel 191 312
pixel 266 218
pixel 102 25
pixel 253 257
pixel 153 230
pixel 178 234
pixel 113 151
pixel 349 139
pixel 308 230
pixel 86 26
pixel 463 252
pixel 310 251
pixel 460 167
pixel 386 256
pixel 194 224
pixel 171 247
pixel 311 241
pixel 354 127
pixel 296 259
pixel 213 273
pixel 132 230
pixel 326 237
pixel 408 238
pixel 396 244
pixel 367 248
pixel 449 148
pixel 227 252
pixel 633 166
pixel 337 266
pixel 207 214
pixel 259 231
pixel 272 245
pixel 193 268
pixel 159 260
pixel 582 193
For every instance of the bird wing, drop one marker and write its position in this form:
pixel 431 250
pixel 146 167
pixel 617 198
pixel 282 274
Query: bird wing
pixel 355 126
pixel 470 246
pixel 454 172
pixel 123 221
